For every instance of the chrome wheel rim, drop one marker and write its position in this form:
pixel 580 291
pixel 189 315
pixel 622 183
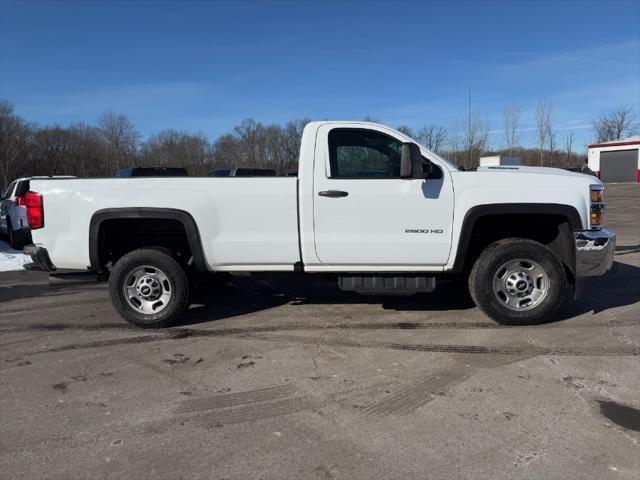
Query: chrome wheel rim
pixel 520 284
pixel 147 289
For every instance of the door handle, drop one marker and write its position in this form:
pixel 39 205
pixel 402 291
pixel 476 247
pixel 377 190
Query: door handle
pixel 333 193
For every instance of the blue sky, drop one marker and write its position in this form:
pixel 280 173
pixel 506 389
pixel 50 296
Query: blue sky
pixel 204 66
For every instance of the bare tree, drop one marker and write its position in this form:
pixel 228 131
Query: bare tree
pixel 254 144
pixel 292 135
pixel 544 120
pixel 551 141
pixel 121 139
pixel 226 151
pixel 433 137
pixel 251 135
pixel 454 142
pixel 50 147
pixel 475 136
pixel 616 124
pixel 14 139
pixel 408 131
pixel 275 157
pixel 568 145
pixel 177 149
pixel 86 151
pixel 511 123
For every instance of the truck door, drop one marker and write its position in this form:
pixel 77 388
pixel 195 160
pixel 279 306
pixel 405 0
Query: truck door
pixel 365 215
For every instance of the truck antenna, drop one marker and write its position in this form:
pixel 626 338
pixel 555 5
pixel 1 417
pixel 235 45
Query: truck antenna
pixel 469 125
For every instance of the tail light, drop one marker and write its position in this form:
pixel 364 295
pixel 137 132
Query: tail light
pixel 35 210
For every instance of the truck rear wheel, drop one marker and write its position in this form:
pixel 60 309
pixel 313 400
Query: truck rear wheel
pixel 149 288
pixel 517 281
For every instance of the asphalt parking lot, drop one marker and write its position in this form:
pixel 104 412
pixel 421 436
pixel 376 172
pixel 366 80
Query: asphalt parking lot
pixel 287 378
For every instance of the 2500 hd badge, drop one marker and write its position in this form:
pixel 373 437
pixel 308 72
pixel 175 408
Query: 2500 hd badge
pixel 424 230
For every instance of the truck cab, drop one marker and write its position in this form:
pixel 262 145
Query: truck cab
pixel 361 204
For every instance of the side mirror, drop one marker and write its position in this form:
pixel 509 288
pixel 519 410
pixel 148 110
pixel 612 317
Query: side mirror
pixel 413 164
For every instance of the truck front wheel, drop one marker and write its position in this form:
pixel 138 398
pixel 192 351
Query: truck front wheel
pixel 149 288
pixel 517 281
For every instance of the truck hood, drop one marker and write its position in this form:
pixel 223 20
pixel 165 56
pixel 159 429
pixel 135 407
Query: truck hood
pixel 537 170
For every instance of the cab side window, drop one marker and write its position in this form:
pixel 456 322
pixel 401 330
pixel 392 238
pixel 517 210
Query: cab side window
pixel 356 153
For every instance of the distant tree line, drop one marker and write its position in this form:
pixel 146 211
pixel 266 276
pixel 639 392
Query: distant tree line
pixel 114 143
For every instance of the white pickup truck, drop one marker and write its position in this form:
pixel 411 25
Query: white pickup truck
pixel 381 213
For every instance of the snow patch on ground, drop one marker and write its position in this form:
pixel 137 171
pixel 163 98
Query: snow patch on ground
pixel 11 259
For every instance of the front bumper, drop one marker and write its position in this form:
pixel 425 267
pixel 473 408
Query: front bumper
pixel 594 252
pixel 39 257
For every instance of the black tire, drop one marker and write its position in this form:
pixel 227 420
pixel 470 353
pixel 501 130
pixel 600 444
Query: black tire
pixel 10 233
pixel 16 239
pixel 490 266
pixel 175 276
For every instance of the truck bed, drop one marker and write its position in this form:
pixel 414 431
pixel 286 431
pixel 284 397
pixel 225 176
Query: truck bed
pixel 244 223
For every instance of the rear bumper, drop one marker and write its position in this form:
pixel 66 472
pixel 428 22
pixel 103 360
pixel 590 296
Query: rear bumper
pixel 594 252
pixel 39 257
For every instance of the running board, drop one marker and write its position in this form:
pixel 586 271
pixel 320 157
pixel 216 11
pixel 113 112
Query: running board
pixel 386 284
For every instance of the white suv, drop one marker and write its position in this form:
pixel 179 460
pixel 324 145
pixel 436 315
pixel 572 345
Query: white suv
pixel 13 213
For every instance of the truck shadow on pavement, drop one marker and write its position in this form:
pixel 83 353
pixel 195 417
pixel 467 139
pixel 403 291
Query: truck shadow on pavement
pixel 246 296
pixel 302 292
pixel 619 287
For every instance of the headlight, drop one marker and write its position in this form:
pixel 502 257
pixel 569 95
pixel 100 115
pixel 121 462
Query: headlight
pixel 597 206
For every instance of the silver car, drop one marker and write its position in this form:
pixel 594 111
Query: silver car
pixel 13 214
